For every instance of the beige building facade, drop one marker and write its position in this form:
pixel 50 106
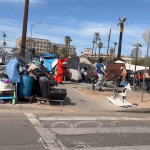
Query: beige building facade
pixel 43 45
pixel 88 53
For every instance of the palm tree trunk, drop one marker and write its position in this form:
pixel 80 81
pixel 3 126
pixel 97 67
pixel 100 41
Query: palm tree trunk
pixel 66 51
pixel 69 50
pixel 92 48
pixel 119 47
pixel 95 51
pixel 99 52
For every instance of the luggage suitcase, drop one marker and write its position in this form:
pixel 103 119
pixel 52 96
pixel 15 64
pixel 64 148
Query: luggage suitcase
pixel 45 86
pixel 47 90
pixel 58 94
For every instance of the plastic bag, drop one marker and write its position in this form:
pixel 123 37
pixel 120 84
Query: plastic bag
pixel 12 71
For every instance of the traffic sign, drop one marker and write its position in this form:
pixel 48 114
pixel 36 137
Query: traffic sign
pixel 146 35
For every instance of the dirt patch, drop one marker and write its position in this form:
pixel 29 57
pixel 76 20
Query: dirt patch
pixel 132 97
pixel 95 94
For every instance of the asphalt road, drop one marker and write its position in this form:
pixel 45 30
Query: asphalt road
pixel 80 124
pixel 40 130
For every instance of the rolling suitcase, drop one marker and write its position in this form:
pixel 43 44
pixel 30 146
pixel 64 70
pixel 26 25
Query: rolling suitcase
pixel 47 90
pixel 45 86
pixel 58 94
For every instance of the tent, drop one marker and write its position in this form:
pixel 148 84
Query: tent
pixel 50 60
pixel 47 56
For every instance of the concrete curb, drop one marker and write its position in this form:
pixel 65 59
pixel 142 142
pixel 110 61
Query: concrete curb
pixel 20 106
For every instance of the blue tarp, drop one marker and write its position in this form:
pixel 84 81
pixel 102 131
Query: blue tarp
pixel 48 55
pixel 48 63
pixel 12 70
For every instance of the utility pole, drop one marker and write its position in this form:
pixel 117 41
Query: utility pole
pixel 24 30
pixel 4 43
pixel 108 45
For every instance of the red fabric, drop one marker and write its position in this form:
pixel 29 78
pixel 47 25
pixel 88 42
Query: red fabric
pixel 60 67
pixel 140 77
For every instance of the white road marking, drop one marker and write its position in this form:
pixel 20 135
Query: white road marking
pixel 79 131
pixel 144 147
pixel 48 136
pixel 92 118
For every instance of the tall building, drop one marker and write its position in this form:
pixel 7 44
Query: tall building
pixel 87 52
pixel 133 53
pixel 43 45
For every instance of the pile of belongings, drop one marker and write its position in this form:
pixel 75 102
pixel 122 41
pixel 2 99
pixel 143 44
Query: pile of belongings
pixel 35 79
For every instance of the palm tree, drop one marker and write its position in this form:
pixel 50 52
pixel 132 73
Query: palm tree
pixel 121 24
pixel 100 45
pixel 93 45
pixel 96 38
pixel 67 43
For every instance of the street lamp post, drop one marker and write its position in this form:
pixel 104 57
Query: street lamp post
pixel 137 45
pixel 31 32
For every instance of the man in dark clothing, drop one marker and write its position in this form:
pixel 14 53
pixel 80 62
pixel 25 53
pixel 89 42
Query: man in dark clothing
pixel 100 73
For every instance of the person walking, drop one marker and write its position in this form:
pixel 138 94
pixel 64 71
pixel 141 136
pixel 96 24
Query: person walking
pixel 100 73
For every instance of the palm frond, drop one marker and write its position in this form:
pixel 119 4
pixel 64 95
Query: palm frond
pixel 119 19
pixel 124 19
pixel 118 24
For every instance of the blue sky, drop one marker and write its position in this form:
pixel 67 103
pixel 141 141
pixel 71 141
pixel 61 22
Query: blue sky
pixel 80 24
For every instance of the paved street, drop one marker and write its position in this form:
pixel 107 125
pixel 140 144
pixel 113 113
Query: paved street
pixel 39 130
pixel 81 123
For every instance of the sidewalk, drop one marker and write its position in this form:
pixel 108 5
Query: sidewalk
pixel 87 92
pixel 132 96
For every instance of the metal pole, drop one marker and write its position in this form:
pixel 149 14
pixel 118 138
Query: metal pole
pixel 24 30
pixel 135 67
pixel 108 45
pixel 145 68
pixel 114 50
pixel 31 37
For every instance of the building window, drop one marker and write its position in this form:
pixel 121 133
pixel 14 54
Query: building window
pixel 44 49
pixel 37 41
pixel 37 49
pixel 37 45
pixel 44 46
pixel 44 42
pixel 41 42
pixel 40 49
pixel 41 45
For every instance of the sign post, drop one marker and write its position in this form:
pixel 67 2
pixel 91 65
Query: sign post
pixel 146 37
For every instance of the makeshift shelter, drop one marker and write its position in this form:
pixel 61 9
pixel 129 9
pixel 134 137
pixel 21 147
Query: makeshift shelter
pixel 50 60
pixel 75 64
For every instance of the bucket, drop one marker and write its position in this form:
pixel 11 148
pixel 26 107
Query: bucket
pixel 25 87
pixel 123 83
